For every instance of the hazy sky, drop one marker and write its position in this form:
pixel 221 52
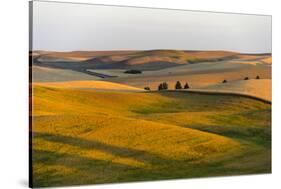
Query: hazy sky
pixel 69 27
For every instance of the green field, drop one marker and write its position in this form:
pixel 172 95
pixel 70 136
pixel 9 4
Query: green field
pixel 88 136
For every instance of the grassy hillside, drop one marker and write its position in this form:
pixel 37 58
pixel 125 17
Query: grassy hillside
pixel 104 85
pixel 260 88
pixel 86 137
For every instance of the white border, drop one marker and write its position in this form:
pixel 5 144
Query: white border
pixel 14 92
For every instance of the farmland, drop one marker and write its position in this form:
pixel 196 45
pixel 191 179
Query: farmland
pixel 98 116
pixel 86 137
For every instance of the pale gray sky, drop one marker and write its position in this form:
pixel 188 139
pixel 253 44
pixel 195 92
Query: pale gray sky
pixel 69 27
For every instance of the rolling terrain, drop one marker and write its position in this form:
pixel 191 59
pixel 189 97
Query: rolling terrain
pixel 103 85
pixel 94 123
pixel 86 136
pixel 197 75
pixel 260 88
pixel 201 69
pixel 45 74
pixel 143 60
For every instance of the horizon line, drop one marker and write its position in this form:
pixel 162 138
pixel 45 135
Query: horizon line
pixel 65 51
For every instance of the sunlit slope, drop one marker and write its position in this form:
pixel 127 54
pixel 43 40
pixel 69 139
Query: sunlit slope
pixel 85 137
pixel 260 88
pixel 267 60
pixel 104 85
pixel 197 75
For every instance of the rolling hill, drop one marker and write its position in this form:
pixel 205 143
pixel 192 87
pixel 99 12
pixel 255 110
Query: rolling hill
pixel 200 69
pixel 197 75
pixel 87 136
pixel 93 123
pixel 260 88
pixel 143 60
pixel 47 74
pixel 102 85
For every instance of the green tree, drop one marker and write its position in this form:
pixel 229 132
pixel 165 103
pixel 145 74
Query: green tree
pixel 178 85
pixel 165 85
pixel 160 87
pixel 224 81
pixel 186 86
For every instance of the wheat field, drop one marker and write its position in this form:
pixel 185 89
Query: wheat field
pixel 89 137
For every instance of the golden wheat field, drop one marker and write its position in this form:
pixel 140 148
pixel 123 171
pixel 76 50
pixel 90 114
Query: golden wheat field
pixel 104 85
pixel 128 94
pixel 90 136
pixel 96 120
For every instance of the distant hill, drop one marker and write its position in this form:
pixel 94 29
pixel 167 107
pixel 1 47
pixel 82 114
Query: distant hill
pixel 47 74
pixel 142 60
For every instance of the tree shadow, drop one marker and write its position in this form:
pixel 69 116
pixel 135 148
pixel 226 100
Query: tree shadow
pixel 138 155
pixel 48 166
pixel 90 170
pixel 85 170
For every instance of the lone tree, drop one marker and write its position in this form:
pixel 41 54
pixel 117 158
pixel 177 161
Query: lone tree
pixel 147 88
pixel 224 81
pixel 246 78
pixel 160 87
pixel 178 85
pixel 186 86
pixel 165 85
pixel 258 77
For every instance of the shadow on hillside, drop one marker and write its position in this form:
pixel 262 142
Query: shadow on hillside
pixel 48 170
pixel 138 155
pixel 86 170
pixel 90 170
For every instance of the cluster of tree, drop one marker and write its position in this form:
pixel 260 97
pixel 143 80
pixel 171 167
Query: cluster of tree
pixel 133 72
pixel 246 78
pixel 179 86
pixel 163 86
